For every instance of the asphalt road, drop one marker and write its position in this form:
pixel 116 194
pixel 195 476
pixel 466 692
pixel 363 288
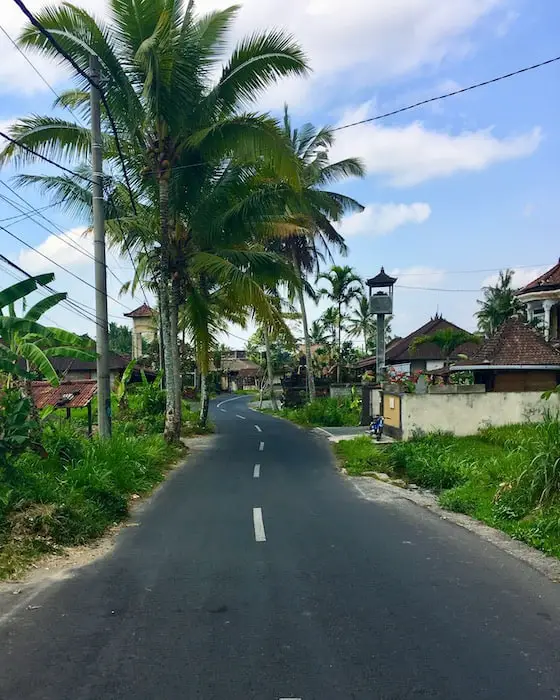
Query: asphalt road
pixel 280 581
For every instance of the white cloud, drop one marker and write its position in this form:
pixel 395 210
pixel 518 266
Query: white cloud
pixel 363 41
pixel 521 276
pixel 380 219
pixel 412 154
pixel 70 250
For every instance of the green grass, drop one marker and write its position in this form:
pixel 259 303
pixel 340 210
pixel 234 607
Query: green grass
pixel 507 477
pixel 74 491
pixel 325 412
pixel 362 455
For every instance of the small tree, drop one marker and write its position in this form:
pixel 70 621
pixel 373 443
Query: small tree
pixel 447 340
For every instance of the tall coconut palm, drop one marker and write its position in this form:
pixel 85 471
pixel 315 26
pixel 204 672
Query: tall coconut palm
pixel 317 211
pixel 345 286
pixel 157 59
pixel 499 304
pixel 362 322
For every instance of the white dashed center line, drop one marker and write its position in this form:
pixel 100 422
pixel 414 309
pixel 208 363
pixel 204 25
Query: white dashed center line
pixel 238 416
pixel 223 410
pixel 261 446
pixel 258 427
pixel 259 525
pixel 257 471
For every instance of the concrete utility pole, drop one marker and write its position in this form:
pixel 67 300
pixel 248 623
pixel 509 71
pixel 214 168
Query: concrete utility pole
pixel 102 336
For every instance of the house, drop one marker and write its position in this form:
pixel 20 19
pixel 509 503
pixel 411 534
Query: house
pixel 516 358
pixel 425 357
pixel 74 370
pixel 239 373
pixel 542 300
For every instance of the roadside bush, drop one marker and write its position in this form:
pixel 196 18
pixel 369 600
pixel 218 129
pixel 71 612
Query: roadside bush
pixel 331 412
pixel 361 455
pixel 17 427
pixel 431 462
pixel 62 440
pixel 68 500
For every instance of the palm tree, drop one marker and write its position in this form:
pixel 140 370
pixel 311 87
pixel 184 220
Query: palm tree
pixel 317 209
pixel 447 340
pixel 499 304
pixel 317 334
pixel 362 322
pixel 175 124
pixel 23 340
pixel 346 286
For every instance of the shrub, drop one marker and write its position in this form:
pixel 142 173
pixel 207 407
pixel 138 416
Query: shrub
pixel 63 441
pixel 325 412
pixel 361 455
pixel 17 427
pixel 430 462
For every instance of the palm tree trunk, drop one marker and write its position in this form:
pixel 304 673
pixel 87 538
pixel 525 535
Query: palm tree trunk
pixel 306 340
pixel 204 398
pixel 175 358
pixel 269 368
pixel 339 344
pixel 164 293
pixel 365 340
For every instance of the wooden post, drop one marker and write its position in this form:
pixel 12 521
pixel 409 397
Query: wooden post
pixel 89 420
pixel 68 410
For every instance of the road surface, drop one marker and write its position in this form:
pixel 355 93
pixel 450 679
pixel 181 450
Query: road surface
pixel 258 572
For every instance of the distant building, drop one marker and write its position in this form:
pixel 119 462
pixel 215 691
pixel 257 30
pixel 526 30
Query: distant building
pixel 143 327
pixel 542 299
pixel 71 369
pixel 425 357
pixel 515 358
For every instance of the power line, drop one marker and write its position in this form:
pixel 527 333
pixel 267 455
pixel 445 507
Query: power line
pixel 21 217
pixel 466 272
pixel 435 289
pixel 35 22
pixel 76 246
pixel 46 257
pixel 38 72
pixel 448 94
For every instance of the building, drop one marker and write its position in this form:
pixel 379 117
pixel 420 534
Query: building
pixel 516 358
pixel 239 373
pixel 75 370
pixel 143 328
pixel 542 300
pixel 425 357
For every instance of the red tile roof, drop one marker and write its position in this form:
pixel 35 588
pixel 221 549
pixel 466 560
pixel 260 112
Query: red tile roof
pixel 398 350
pixel 549 280
pixel 143 311
pixel 68 395
pixel 515 343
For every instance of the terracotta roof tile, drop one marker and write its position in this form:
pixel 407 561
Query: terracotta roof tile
pixel 549 280
pixel 398 350
pixel 143 311
pixel 515 343
pixel 68 395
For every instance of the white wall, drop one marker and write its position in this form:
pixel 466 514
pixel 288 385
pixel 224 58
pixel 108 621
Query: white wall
pixel 434 364
pixel 464 414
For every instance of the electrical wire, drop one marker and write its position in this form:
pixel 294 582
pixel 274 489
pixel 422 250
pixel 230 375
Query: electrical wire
pixel 76 246
pixel 38 72
pixel 35 22
pixel 72 274
pixel 484 83
pixel 19 217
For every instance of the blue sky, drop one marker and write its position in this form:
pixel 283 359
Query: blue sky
pixel 467 184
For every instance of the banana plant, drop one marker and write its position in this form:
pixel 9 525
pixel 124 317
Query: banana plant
pixel 27 345
pixel 121 385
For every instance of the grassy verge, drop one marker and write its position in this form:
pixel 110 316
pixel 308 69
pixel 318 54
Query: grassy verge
pixel 507 477
pixel 322 412
pixel 77 487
